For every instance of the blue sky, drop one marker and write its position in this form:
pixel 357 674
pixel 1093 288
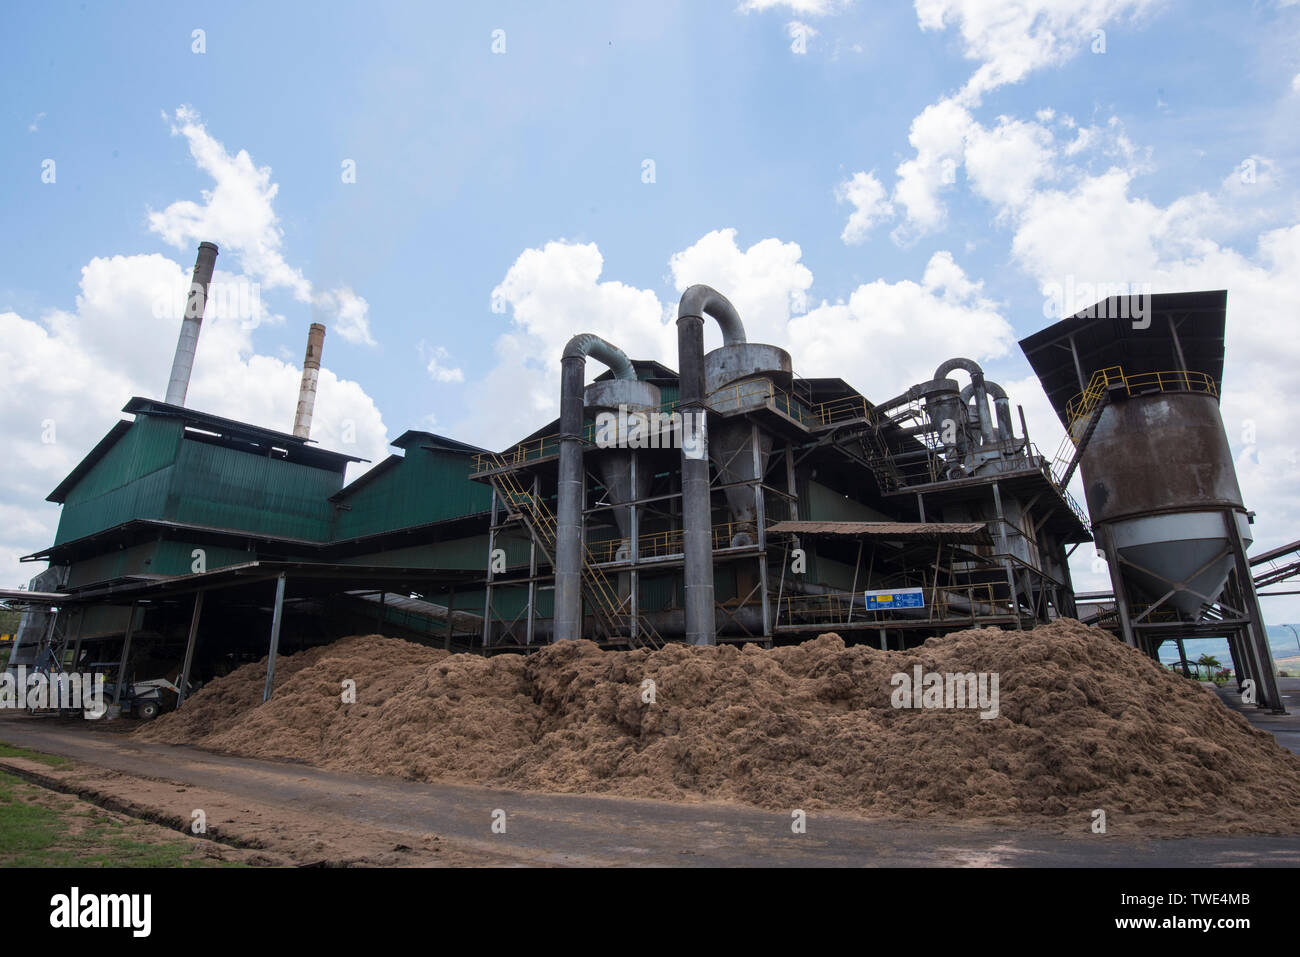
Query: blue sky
pixel 517 178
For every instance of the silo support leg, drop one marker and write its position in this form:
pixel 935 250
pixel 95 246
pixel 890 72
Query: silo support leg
pixel 1266 680
pixel 1117 583
pixel 1234 652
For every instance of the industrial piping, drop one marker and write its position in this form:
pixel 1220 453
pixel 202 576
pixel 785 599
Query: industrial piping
pixel 310 377
pixel 568 520
pixel 984 423
pixel 1001 406
pixel 697 521
pixel 183 363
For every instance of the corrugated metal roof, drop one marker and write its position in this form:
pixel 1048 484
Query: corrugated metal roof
pixel 966 533
pixel 434 441
pixel 119 429
pixel 295 448
pixel 423 486
pixel 33 597
pixel 1104 339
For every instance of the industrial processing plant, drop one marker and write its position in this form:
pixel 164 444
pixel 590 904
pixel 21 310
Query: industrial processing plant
pixel 730 501
pixel 745 435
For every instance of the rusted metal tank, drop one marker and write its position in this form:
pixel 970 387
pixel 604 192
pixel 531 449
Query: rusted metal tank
pixel 1157 474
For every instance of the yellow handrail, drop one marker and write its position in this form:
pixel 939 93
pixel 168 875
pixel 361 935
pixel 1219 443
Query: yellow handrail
pixel 1079 409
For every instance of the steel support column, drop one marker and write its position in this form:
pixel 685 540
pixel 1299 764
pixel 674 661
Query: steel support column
pixel 571 484
pixel 189 648
pixel 277 612
pixel 76 645
pixel 1266 681
pixel 532 571
pixel 1006 558
pixel 126 654
pixel 697 509
pixel 634 552
pixel 451 616
pixel 1117 585
pixel 487 587
pixel 760 516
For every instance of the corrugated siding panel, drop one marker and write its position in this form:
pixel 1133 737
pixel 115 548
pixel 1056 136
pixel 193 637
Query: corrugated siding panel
pixel 226 488
pixel 130 481
pixel 826 505
pixel 143 498
pixel 150 444
pixel 838 574
pixel 177 558
pixel 424 487
pixel 656 594
pixel 135 560
pixel 101 621
pixel 512 601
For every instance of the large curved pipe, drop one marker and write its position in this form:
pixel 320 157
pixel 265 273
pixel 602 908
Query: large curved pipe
pixel 969 365
pixel 585 344
pixel 699 300
pixel 1001 407
pixel 568 518
pixel 697 512
pixel 983 421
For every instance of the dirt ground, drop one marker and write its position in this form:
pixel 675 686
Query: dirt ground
pixel 314 817
pixel 249 832
pixel 44 827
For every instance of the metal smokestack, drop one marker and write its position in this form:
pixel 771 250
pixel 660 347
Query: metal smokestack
pixel 188 343
pixel 310 374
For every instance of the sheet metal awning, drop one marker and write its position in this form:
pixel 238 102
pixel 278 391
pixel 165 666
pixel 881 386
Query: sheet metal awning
pixel 327 577
pixel 19 595
pixel 954 533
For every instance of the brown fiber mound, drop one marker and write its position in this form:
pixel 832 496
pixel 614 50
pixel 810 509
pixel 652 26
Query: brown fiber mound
pixel 1084 723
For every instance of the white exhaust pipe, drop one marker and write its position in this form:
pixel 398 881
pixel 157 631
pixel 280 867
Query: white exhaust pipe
pixel 188 343
pixel 310 375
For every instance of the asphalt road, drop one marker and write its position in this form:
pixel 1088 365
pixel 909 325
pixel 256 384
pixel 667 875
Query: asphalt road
pixel 570 829
pixel 1284 727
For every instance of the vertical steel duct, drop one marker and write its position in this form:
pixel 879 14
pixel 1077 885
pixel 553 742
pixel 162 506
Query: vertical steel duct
pixel 310 376
pixel 985 423
pixel 697 523
pixel 1001 408
pixel 188 343
pixel 568 519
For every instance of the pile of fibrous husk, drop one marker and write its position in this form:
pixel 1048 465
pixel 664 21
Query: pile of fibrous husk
pixel 1083 723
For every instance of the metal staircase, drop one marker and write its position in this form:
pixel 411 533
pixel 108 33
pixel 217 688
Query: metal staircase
pixel 615 619
pixel 1086 407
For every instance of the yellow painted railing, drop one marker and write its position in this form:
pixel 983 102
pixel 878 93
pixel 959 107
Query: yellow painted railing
pixel 742 395
pixel 1079 409
pixel 659 544
pixel 945 603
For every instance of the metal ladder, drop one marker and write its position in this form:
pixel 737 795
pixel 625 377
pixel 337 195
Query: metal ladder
pixel 619 624
pixel 1087 408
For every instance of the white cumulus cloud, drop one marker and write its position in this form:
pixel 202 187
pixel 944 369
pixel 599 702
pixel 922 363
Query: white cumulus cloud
pixel 238 214
pixel 870 205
